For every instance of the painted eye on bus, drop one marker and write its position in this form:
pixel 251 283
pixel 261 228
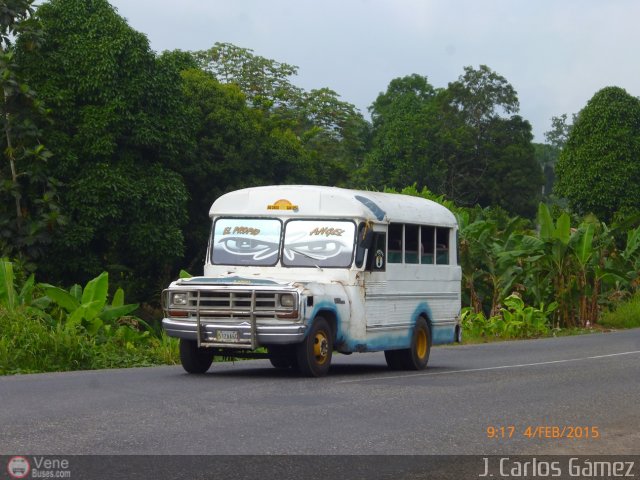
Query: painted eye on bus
pixel 249 246
pixel 318 249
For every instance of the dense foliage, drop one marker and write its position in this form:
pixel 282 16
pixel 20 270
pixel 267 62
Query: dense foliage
pixel 29 211
pixel 599 169
pixel 46 328
pixel 456 141
pixel 112 155
pixel 118 129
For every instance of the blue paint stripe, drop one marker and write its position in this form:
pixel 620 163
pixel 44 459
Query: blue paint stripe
pixel 371 205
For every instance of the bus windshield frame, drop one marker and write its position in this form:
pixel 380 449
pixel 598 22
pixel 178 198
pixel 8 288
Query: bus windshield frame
pixel 268 241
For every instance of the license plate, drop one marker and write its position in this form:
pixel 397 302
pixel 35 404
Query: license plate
pixel 227 336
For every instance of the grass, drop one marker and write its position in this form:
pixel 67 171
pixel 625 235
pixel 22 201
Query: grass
pixel 561 332
pixel 32 343
pixel 29 345
pixel 625 315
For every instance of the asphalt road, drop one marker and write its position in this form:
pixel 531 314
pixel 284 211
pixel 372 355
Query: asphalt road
pixel 590 381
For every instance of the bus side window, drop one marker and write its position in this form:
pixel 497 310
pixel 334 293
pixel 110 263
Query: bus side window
pixel 411 250
pixel 427 248
pixel 395 243
pixel 376 258
pixel 442 246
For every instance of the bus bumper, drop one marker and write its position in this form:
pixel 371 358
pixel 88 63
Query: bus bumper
pixel 234 335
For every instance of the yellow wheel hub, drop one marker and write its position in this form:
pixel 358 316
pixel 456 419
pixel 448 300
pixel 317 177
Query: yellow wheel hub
pixel 422 344
pixel 321 347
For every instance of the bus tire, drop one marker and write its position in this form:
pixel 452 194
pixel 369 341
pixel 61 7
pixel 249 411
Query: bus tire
pixel 394 359
pixel 194 359
pixel 282 356
pixel 313 354
pixel 416 357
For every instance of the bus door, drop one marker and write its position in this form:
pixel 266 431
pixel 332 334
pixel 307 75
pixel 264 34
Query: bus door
pixel 375 282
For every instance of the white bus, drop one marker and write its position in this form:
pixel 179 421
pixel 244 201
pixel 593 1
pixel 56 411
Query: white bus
pixel 303 271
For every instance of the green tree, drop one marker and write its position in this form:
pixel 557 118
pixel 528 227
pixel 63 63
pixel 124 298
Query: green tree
pixel 28 209
pixel 559 134
pixel 488 151
pixel 403 136
pixel 481 95
pixel 599 169
pixel 332 132
pixel 265 82
pixel 16 19
pixel 547 154
pixel 120 129
pixel 513 178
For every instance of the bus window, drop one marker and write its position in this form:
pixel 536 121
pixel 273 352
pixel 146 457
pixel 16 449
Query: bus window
pixel 442 246
pixel 427 247
pixel 411 244
pixel 360 249
pixel 318 243
pixel 376 258
pixel 395 243
pixel 245 241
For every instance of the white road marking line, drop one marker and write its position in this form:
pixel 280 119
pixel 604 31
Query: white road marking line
pixel 425 374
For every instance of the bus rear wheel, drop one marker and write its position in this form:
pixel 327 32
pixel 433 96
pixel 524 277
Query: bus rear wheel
pixel 314 353
pixel 394 359
pixel 194 359
pixel 416 356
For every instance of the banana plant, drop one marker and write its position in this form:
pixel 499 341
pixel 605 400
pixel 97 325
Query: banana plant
pixel 12 298
pixel 631 255
pixel 526 321
pixel 558 260
pixel 583 250
pixel 88 306
pixel 479 244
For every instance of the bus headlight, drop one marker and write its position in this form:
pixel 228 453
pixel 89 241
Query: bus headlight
pixel 179 299
pixel 287 300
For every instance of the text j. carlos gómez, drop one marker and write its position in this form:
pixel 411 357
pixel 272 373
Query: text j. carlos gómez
pixel 572 467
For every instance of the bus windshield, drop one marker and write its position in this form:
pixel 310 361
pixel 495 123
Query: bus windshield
pixel 246 241
pixel 307 243
pixel 318 243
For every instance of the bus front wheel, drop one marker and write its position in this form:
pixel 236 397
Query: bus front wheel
pixel 194 359
pixel 282 356
pixel 314 353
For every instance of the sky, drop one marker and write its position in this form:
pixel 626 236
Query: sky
pixel 556 53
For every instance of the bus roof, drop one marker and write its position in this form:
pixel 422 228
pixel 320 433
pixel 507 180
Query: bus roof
pixel 314 201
